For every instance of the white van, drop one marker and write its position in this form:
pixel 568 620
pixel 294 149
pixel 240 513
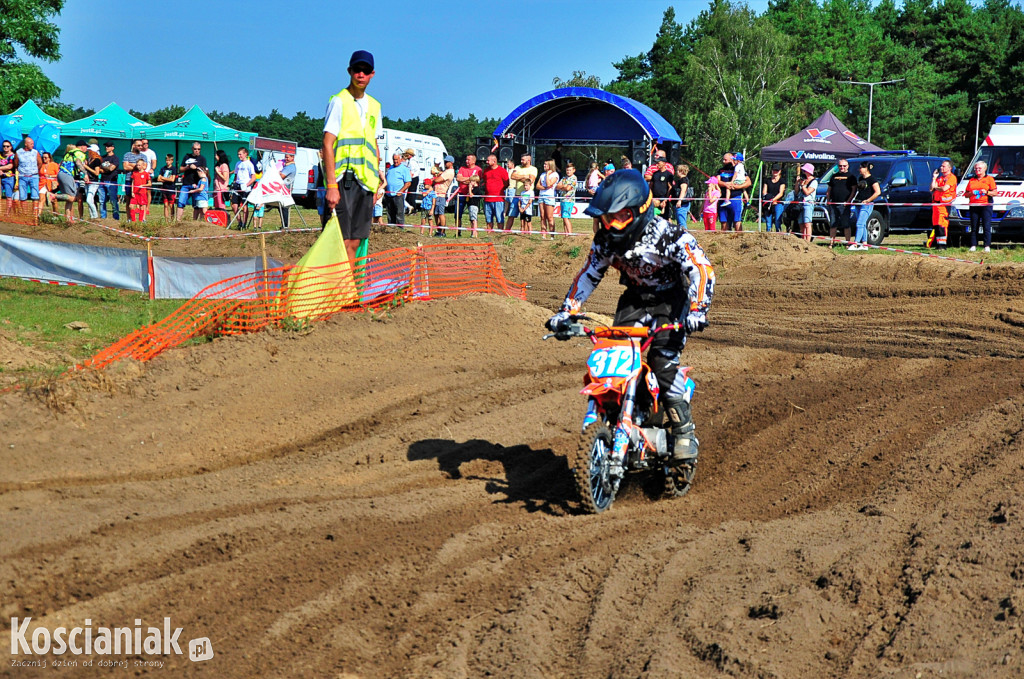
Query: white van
pixel 429 150
pixel 1003 151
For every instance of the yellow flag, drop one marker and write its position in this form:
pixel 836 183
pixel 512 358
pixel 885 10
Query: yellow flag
pixel 322 282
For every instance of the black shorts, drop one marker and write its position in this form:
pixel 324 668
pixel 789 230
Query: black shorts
pixel 354 211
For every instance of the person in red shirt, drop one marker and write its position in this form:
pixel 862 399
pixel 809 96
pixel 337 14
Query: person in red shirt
pixel 138 207
pixel 943 191
pixel 469 178
pixel 981 189
pixel 495 183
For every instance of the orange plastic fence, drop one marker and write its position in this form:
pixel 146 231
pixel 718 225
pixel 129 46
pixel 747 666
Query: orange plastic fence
pixel 279 297
pixel 18 212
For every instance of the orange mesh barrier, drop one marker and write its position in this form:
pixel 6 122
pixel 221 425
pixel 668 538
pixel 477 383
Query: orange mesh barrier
pixel 284 296
pixel 18 212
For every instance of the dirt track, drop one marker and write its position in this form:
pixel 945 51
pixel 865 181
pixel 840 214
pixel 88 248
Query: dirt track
pixel 387 496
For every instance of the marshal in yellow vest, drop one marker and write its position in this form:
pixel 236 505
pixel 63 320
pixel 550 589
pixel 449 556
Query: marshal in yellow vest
pixel 356 147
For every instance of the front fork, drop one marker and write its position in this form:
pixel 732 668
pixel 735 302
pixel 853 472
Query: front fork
pixel 620 440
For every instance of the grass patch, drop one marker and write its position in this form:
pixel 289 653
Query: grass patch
pixel 34 315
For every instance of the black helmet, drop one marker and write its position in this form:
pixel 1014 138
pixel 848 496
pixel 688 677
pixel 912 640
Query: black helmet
pixel 623 189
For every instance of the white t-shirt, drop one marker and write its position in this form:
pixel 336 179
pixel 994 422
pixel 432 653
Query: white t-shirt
pixel 739 174
pixel 813 186
pixel 151 156
pixel 244 170
pixel 332 119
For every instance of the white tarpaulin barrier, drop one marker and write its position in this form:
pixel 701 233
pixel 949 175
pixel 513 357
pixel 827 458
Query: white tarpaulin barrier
pixel 184 277
pixel 121 268
pixel 73 264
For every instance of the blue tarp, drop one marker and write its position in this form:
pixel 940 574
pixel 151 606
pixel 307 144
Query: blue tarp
pixel 586 113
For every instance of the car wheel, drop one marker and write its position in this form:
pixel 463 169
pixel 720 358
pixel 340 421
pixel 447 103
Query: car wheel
pixel 877 228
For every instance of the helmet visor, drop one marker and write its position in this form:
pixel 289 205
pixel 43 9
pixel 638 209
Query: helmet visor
pixel 618 221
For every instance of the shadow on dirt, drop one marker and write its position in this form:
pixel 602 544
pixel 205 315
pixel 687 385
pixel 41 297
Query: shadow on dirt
pixel 539 479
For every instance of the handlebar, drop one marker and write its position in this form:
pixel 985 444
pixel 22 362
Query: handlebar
pixel 577 329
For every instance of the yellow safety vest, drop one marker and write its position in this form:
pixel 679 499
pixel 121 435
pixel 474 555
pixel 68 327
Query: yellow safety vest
pixel 356 146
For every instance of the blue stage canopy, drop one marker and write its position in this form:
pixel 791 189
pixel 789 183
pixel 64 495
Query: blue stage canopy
pixel 585 114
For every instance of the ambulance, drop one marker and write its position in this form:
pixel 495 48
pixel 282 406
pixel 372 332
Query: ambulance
pixel 1003 151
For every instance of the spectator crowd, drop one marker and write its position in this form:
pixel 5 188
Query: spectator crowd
pixel 95 180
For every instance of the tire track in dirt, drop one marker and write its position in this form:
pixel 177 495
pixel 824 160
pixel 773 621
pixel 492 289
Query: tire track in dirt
pixel 859 486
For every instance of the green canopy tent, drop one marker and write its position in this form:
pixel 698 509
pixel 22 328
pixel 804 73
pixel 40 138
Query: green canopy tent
pixel 177 136
pixel 111 122
pixel 29 115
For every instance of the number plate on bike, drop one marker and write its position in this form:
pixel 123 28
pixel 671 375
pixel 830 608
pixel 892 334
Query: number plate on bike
pixel 614 361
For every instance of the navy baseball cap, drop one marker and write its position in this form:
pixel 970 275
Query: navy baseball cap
pixel 361 57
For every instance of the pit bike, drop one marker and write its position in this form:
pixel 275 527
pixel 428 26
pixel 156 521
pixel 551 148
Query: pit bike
pixel 623 428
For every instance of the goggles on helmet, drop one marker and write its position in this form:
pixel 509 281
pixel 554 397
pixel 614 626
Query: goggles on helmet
pixel 618 221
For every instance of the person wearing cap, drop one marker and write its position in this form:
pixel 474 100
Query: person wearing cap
pixel 108 182
pixel 93 165
pixel 352 161
pixel 409 158
pixel 733 179
pixel 807 189
pixel 443 181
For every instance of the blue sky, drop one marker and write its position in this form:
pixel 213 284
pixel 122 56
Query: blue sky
pixel 478 57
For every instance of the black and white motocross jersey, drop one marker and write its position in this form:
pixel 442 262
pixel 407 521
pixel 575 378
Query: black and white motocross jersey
pixel 666 257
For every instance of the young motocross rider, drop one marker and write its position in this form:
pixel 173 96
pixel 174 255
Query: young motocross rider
pixel 668 279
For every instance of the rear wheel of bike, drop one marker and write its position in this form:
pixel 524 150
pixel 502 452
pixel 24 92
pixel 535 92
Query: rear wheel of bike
pixel 679 479
pixel 590 468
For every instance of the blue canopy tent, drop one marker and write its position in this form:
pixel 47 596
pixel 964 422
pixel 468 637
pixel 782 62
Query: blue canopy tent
pixel 586 116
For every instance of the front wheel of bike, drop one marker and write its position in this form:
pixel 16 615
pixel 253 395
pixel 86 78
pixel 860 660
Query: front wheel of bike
pixel 679 479
pixel 590 468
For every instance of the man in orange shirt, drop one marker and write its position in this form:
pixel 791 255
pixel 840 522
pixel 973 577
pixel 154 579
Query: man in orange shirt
pixel 943 191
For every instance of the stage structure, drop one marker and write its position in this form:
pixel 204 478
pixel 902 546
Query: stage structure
pixel 584 117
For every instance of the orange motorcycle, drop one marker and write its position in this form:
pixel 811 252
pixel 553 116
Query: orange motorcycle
pixel 623 426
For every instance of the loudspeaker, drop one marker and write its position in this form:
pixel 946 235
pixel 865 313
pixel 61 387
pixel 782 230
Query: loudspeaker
pixel 640 153
pixel 672 151
pixel 506 150
pixel 483 149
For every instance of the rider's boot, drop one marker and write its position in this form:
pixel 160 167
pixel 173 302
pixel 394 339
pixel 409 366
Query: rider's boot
pixel 680 425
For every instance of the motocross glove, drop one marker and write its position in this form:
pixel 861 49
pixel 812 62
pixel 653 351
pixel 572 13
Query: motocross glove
pixel 696 321
pixel 559 322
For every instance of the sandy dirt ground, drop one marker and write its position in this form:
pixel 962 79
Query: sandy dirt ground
pixel 388 495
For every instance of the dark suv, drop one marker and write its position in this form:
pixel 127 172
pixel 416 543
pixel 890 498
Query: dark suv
pixel 903 177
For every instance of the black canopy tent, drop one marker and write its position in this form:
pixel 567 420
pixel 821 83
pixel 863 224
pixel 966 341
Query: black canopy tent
pixel 826 140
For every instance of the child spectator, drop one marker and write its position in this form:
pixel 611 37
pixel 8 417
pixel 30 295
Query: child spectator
pixel 378 210
pixel 138 208
pixel 525 210
pixel 427 205
pixel 165 182
pixel 48 180
pixel 202 196
pixel 711 198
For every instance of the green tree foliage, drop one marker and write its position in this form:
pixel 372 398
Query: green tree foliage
pixel 725 82
pixel 25 28
pixel 458 134
pixel 578 79
pixel 733 79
